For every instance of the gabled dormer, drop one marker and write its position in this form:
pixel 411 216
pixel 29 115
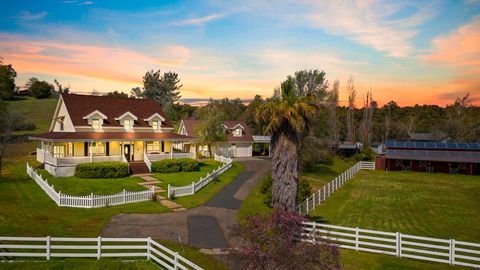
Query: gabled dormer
pixel 237 130
pixel 95 120
pixel 155 121
pixel 127 120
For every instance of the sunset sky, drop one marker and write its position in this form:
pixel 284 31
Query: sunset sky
pixel 413 52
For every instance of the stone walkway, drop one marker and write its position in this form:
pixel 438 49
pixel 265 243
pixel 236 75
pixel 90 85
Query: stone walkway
pixel 210 227
pixel 151 182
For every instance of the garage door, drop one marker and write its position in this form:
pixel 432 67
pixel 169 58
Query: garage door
pixel 243 150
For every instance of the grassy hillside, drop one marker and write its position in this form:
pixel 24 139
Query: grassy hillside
pixel 36 111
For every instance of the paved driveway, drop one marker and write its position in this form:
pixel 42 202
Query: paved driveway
pixel 209 226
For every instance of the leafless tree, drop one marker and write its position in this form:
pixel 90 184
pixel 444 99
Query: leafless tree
pixel 332 107
pixel 366 125
pixel 351 110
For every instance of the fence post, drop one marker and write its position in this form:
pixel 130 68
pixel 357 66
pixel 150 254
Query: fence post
pixel 153 191
pixel 48 248
pixel 176 261
pixel 319 197
pixel 452 251
pixel 399 244
pixel 91 199
pixel 193 187
pixel 99 247
pixel 356 238
pixel 313 199
pixel 314 232
pixel 324 192
pixel 168 191
pixel 60 198
pixel 124 196
pixel 149 239
pixel 307 207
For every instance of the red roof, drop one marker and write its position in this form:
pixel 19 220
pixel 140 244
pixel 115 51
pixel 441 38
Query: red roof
pixel 110 136
pixel 191 126
pixel 79 106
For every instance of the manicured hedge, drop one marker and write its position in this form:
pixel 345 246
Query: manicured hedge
pixel 175 165
pixel 102 170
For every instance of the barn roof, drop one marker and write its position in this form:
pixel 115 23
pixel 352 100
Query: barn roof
pixel 444 156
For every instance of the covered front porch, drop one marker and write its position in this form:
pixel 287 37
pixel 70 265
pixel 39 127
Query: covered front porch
pixel 72 153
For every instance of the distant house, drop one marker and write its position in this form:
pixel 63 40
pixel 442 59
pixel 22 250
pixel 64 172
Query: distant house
pixel 435 136
pixel 453 158
pixel 239 140
pixel 99 128
pixel 348 149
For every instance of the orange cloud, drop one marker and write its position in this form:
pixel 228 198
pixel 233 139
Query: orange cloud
pixel 459 49
pixel 97 62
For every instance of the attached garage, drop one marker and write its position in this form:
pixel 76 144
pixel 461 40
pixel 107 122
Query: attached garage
pixel 243 150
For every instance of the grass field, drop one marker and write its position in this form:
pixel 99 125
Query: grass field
pixel 323 173
pixel 84 186
pixel 434 205
pixel 36 111
pixel 425 204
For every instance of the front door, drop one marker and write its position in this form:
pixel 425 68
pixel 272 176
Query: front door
pixel 126 151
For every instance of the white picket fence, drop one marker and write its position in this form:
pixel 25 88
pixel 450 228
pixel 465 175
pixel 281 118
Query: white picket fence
pixel 92 200
pixel 448 251
pixel 322 194
pixel 195 187
pixel 95 247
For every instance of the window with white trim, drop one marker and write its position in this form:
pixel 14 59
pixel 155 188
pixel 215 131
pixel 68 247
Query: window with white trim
pixel 155 125
pixel 128 124
pixel 237 132
pixel 96 124
pixel 153 146
pixel 97 148
pixel 59 151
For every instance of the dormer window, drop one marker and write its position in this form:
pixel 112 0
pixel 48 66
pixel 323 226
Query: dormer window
pixel 95 119
pixel 155 121
pixel 237 132
pixel 128 124
pixel 96 124
pixel 155 125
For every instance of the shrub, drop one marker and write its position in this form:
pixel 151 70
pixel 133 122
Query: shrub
pixel 102 170
pixel 366 155
pixel 270 243
pixel 313 152
pixel 175 165
pixel 303 190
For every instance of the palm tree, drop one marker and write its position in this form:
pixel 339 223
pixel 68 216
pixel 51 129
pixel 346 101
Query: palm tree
pixel 285 117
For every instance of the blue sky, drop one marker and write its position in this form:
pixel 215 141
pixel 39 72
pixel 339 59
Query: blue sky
pixel 409 51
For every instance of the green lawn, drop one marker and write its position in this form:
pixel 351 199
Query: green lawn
pixel 36 111
pixel 323 173
pixel 433 205
pixel 100 186
pixel 423 204
pixel 27 211
pixel 81 264
pixel 186 178
pixel 210 190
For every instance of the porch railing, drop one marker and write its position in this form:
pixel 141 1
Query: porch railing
pixel 47 157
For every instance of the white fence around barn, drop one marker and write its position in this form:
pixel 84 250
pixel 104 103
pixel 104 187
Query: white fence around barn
pixel 92 200
pixel 195 187
pixel 95 247
pixel 448 251
pixel 322 194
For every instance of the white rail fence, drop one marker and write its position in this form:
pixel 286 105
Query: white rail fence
pixel 96 247
pixel 195 187
pixel 448 251
pixel 322 194
pixel 92 200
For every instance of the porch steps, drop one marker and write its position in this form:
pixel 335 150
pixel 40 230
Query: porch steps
pixel 138 167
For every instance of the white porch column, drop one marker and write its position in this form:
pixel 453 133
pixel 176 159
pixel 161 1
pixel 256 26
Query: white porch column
pixel 90 151
pixel 171 149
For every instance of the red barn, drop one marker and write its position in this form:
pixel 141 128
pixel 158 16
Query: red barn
pixel 454 158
